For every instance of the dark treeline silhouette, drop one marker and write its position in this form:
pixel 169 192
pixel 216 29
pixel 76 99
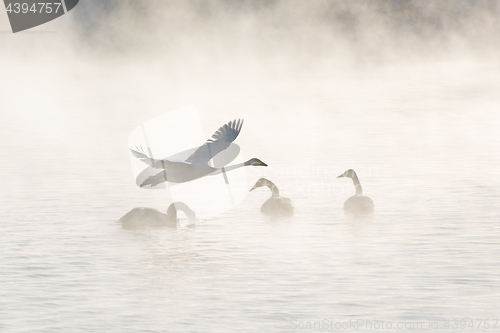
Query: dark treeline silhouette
pixel 121 24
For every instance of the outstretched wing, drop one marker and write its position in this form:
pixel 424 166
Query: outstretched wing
pixel 221 139
pixel 141 155
pixel 154 180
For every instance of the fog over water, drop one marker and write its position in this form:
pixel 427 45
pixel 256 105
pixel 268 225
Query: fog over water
pixel 407 93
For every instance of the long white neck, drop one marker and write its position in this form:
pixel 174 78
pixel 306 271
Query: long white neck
pixel 357 184
pixel 229 168
pixel 274 189
pixel 174 207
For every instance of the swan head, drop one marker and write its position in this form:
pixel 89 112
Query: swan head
pixel 352 174
pixel 255 162
pixel 266 182
pixel 260 183
pixel 349 174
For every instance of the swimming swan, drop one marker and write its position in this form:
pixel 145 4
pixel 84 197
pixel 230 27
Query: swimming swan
pixel 275 205
pixel 152 217
pixel 196 165
pixel 358 203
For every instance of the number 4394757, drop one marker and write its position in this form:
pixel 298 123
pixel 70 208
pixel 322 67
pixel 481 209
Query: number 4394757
pixel 36 8
pixel 471 323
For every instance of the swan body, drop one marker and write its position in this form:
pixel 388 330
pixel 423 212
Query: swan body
pixel 152 217
pixel 196 165
pixel 275 205
pixel 358 203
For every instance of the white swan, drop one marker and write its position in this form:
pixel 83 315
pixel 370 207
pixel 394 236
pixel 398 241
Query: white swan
pixel 196 165
pixel 275 205
pixel 358 203
pixel 152 217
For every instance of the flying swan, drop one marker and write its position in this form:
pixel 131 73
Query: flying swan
pixel 275 205
pixel 196 165
pixel 358 203
pixel 152 217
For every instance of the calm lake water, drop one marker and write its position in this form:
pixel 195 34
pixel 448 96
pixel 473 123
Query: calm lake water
pixel 425 142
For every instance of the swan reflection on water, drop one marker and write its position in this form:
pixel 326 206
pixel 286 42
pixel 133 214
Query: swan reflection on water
pixel 145 217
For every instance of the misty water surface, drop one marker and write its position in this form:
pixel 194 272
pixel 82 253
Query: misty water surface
pixel 422 133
